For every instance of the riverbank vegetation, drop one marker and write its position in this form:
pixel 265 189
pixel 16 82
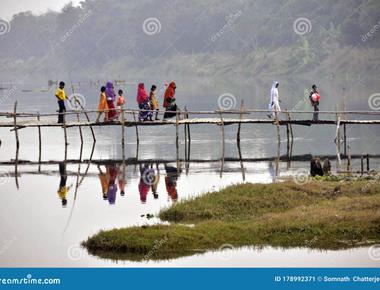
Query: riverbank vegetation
pixel 321 214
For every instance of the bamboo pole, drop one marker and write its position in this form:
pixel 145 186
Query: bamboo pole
pixel 39 144
pixel 362 165
pixel 223 143
pixel 185 133
pixel 17 143
pixel 80 134
pixel 349 166
pixel 337 140
pixel 277 123
pixel 137 137
pixel 345 140
pixel 287 137
pixel 239 126
pixel 65 136
pixel 85 113
pixel 216 112
pixel 123 133
pixel 367 157
pixel 177 137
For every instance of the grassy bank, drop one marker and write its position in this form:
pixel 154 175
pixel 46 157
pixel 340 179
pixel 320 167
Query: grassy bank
pixel 320 214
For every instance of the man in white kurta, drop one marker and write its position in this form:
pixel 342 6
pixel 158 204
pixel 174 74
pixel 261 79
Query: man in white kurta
pixel 274 105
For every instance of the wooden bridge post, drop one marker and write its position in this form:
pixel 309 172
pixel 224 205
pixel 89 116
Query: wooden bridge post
pixel 177 137
pixel 345 139
pixel 362 165
pixel 17 142
pixel 277 123
pixel 223 142
pixel 337 140
pixel 85 113
pixel 137 136
pixel 367 163
pixel 239 126
pixel 287 136
pixel 80 133
pixel 39 143
pixel 123 133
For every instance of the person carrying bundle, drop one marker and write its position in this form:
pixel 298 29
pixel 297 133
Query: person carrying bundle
pixel 315 97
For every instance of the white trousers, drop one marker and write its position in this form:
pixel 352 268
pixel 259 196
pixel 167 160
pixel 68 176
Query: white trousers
pixel 275 107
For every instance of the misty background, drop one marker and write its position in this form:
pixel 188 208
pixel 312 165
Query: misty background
pixel 209 47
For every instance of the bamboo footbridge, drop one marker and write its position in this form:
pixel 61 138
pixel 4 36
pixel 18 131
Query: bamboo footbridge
pixel 221 118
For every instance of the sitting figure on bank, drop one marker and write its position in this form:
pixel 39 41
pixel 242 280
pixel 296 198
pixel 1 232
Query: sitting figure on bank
pixel 316 167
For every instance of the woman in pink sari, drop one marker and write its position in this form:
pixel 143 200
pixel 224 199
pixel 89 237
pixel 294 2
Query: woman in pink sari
pixel 111 97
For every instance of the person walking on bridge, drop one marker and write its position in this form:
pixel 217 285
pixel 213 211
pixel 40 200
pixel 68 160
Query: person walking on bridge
pixel 274 104
pixel 315 97
pixel 61 96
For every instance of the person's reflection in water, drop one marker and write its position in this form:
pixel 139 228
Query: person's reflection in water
pixel 112 186
pixel 155 180
pixel 171 181
pixel 103 177
pixel 63 189
pixel 121 179
pixel 144 184
pixel 272 172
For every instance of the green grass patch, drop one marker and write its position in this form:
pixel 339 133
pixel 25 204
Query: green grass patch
pixel 321 214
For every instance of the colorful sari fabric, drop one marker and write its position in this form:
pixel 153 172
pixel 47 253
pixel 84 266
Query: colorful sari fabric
pixel 169 101
pixel 102 103
pixel 153 101
pixel 112 187
pixel 111 96
pixel 143 102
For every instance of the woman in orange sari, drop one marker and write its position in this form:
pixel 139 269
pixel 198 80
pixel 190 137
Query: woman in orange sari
pixel 102 107
pixel 169 101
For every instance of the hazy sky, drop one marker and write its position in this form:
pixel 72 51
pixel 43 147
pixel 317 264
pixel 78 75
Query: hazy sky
pixel 10 7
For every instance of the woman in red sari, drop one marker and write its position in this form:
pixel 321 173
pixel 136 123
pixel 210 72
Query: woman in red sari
pixel 169 101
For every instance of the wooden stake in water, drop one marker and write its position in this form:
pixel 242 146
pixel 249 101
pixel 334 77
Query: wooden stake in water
pixel 223 142
pixel 239 125
pixel 39 144
pixel 17 142
pixel 123 133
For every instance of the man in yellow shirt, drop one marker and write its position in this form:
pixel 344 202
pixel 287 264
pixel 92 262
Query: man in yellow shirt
pixel 61 96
